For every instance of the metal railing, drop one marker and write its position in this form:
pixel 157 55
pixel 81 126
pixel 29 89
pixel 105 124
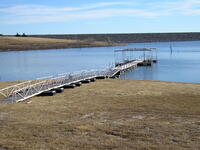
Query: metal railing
pixel 27 89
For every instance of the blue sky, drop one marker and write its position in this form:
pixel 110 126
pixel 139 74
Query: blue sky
pixel 98 16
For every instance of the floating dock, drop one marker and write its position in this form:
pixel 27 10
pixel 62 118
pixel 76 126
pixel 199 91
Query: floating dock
pixel 51 85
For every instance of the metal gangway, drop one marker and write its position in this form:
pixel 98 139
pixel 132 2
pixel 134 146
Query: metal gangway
pixel 28 89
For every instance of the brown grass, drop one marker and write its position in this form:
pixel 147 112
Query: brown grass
pixel 107 114
pixel 31 43
pixel 4 84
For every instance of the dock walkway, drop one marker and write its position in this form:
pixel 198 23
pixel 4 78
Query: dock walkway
pixel 28 89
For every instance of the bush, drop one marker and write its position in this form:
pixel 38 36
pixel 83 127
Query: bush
pixel 24 35
pixel 17 35
pixel 1 34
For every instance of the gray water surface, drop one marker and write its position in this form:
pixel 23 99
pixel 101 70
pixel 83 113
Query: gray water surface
pixel 182 65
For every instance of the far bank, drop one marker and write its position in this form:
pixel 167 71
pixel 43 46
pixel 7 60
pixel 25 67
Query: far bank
pixel 11 43
pixel 129 37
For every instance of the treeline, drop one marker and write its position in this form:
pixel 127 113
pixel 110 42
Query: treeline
pixel 23 35
pixel 128 38
pixel 17 35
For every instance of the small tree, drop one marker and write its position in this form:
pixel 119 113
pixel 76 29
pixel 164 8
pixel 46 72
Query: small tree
pixel 1 34
pixel 17 35
pixel 24 35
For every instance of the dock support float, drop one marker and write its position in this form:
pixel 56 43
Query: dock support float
pixel 70 86
pixel 48 93
pixel 100 77
pixel 78 83
pixel 86 81
pixel 58 90
pixel 93 79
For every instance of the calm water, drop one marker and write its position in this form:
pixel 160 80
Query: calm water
pixel 183 65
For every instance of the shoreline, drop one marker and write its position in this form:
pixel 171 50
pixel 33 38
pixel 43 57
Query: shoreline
pixel 5 84
pixel 62 41
pixel 41 49
pixel 11 43
pixel 129 37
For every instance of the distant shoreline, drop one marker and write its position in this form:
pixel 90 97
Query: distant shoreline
pixel 61 41
pixel 11 43
pixel 128 37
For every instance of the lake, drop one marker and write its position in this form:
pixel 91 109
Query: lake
pixel 182 65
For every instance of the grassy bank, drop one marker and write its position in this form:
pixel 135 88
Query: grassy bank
pixel 32 43
pixel 107 114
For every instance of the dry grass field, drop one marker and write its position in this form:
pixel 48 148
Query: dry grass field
pixel 4 84
pixel 108 114
pixel 32 43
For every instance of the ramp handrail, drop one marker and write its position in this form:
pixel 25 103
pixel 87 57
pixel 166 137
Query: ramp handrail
pixel 26 89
